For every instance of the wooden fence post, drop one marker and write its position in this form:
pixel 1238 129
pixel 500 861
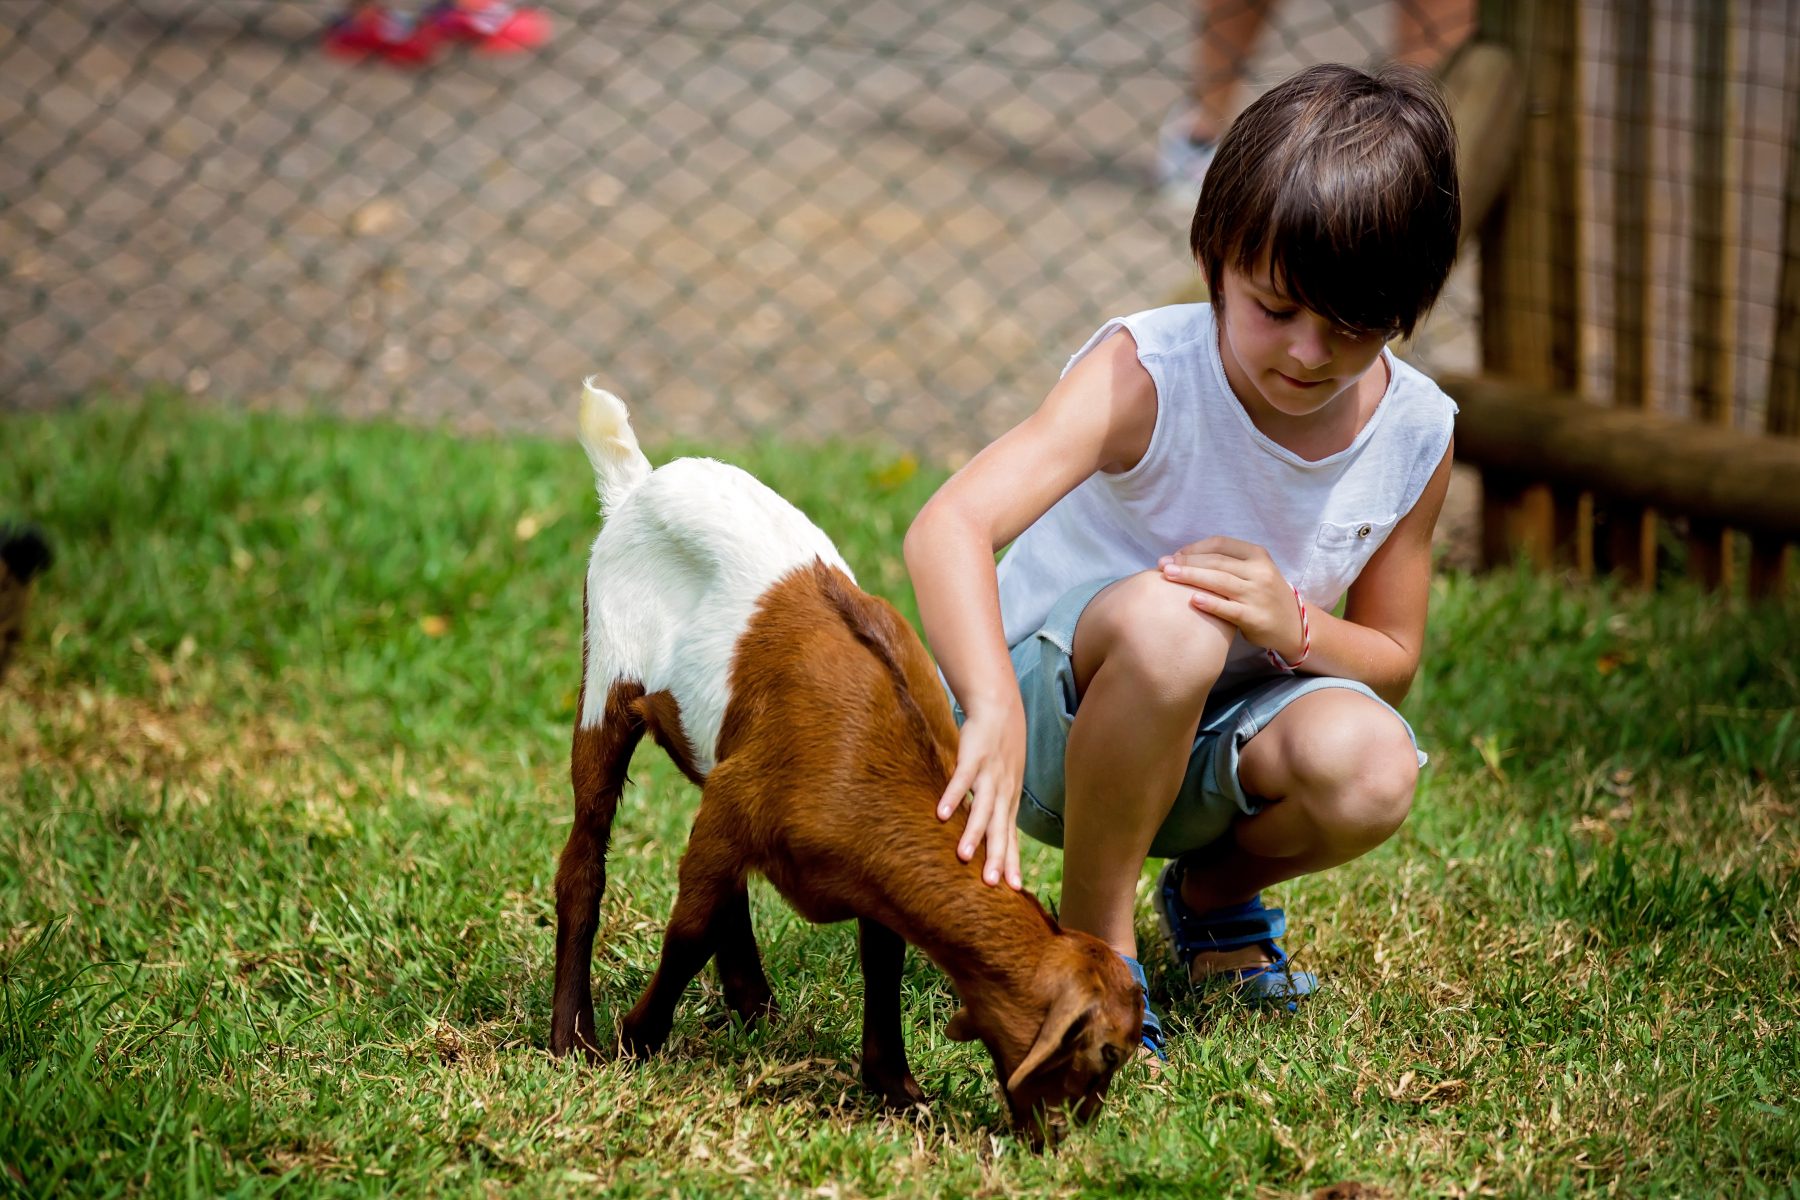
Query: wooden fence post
pixel 1530 297
pixel 1631 529
pixel 1713 256
pixel 1769 556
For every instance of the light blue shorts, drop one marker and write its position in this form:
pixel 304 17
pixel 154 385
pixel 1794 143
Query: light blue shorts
pixel 1211 796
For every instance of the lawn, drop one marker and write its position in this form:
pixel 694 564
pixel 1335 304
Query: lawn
pixel 283 782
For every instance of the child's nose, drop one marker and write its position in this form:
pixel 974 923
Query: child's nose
pixel 1310 349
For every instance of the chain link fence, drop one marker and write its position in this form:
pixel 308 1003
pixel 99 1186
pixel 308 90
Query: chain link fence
pixel 800 218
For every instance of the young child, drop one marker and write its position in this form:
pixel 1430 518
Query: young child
pixel 1155 668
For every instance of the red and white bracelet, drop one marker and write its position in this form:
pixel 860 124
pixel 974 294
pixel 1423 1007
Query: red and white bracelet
pixel 1305 640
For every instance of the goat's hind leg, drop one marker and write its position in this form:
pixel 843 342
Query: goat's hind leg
pixel 884 1067
pixel 597 765
pixel 710 877
pixel 739 962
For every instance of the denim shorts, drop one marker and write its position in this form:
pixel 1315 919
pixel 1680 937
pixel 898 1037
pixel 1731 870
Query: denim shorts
pixel 1211 796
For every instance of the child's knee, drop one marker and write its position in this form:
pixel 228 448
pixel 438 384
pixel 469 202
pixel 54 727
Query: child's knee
pixel 1145 626
pixel 1386 796
pixel 1380 782
pixel 1361 767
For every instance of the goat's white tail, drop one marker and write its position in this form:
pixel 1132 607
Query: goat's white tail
pixel 619 465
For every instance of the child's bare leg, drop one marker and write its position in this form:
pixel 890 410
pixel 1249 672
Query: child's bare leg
pixel 1144 663
pixel 1339 771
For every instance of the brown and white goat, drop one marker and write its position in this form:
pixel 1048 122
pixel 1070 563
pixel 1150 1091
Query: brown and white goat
pixel 723 623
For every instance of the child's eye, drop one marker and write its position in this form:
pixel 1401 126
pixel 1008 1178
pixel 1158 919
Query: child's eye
pixel 1276 314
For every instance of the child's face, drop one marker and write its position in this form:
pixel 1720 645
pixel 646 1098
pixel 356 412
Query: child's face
pixel 1285 356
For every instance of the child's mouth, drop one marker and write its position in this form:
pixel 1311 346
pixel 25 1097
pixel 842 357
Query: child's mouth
pixel 1302 384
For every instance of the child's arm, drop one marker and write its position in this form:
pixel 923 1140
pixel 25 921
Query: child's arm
pixel 1382 632
pixel 1098 417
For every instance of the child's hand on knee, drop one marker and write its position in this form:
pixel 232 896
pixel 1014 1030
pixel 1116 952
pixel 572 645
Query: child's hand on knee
pixel 990 765
pixel 1238 582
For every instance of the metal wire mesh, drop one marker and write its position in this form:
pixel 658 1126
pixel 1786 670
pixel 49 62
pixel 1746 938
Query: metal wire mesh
pixel 793 217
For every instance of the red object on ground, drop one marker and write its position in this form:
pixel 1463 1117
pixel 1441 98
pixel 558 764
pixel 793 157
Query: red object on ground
pixel 492 27
pixel 375 31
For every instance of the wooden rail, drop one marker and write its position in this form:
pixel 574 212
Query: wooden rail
pixel 1746 481
pixel 1530 298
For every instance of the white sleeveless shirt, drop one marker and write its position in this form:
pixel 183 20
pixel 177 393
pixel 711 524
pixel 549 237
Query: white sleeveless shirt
pixel 1209 471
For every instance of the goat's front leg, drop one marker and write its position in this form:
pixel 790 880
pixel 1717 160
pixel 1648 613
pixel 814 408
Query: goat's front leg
pixel 740 965
pixel 709 877
pixel 884 1068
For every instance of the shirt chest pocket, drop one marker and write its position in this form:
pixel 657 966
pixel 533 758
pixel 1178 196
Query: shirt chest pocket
pixel 1340 552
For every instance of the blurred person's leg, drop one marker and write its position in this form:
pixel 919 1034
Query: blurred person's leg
pixel 1222 48
pixel 1224 35
pixel 1427 31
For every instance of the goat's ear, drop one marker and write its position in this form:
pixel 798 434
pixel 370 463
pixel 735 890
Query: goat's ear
pixel 961 1027
pixel 1057 1035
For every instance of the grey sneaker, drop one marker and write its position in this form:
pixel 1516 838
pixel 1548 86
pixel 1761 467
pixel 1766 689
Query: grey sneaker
pixel 1181 161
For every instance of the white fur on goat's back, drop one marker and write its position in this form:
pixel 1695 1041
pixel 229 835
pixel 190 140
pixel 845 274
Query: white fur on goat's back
pixel 675 575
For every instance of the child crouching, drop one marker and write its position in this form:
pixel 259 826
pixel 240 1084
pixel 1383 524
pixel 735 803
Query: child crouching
pixel 1154 669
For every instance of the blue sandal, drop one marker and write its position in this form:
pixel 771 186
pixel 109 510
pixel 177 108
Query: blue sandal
pixel 1153 1030
pixel 1232 928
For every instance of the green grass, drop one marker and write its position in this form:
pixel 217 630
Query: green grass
pixel 282 784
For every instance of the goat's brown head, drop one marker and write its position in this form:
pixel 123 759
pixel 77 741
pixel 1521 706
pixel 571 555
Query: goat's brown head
pixel 1093 1021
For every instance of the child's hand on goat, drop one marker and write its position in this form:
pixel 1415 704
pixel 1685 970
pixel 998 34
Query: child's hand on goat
pixel 990 763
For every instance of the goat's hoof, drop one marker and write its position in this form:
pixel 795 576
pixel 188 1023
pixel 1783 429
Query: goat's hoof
pixel 639 1042
pixel 639 1047
pixel 744 1016
pixel 748 997
pixel 585 1047
pixel 899 1093
pixel 579 1040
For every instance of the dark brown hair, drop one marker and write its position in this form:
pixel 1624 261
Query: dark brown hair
pixel 1346 180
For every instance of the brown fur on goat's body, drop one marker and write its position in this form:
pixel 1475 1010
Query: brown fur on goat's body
pixel 837 810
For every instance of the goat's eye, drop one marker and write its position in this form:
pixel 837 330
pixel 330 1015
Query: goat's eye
pixel 1112 1056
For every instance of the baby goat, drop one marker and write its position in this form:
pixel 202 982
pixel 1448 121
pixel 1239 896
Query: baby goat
pixel 724 623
